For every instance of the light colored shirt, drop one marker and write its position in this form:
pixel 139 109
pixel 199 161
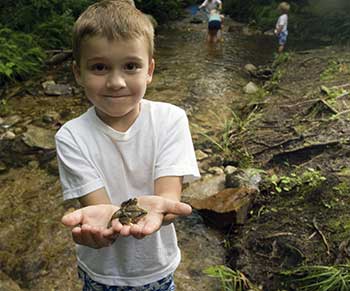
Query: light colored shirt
pixel 282 22
pixel 92 155
pixel 211 4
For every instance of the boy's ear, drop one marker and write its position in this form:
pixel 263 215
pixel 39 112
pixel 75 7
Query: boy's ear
pixel 76 71
pixel 150 71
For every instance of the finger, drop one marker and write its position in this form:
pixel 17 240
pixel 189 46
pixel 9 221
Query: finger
pixel 86 236
pixel 176 207
pixel 136 231
pixel 116 225
pixel 73 218
pixel 149 228
pixel 98 238
pixel 125 231
pixel 76 234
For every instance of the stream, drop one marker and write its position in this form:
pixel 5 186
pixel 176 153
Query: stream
pixel 36 252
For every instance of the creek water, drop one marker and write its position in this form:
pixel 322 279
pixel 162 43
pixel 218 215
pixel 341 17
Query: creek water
pixel 205 80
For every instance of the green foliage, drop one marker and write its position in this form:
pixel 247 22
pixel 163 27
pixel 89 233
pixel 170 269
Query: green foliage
pixel 342 189
pixel 56 32
pixel 231 280
pixel 163 10
pixel 4 108
pixel 229 125
pixel 19 55
pixel 26 15
pixel 304 183
pixel 320 278
pixel 333 67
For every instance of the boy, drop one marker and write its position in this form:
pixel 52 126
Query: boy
pixel 281 30
pixel 123 147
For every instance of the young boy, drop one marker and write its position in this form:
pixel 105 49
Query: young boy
pixel 123 147
pixel 281 30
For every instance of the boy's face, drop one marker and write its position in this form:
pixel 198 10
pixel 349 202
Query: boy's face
pixel 115 75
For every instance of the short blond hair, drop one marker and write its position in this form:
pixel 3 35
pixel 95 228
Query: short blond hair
pixel 284 6
pixel 115 20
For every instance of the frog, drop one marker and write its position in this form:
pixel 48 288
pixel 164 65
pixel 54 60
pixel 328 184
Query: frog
pixel 129 212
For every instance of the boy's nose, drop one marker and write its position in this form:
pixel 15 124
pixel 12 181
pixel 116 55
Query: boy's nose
pixel 115 81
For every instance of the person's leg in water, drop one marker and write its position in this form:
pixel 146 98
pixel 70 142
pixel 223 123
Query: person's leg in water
pixel 212 36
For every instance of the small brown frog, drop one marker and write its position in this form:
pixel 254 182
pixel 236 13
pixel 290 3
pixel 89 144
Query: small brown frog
pixel 129 212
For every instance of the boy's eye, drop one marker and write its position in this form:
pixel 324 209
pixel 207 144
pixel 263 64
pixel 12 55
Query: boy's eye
pixel 131 67
pixel 99 67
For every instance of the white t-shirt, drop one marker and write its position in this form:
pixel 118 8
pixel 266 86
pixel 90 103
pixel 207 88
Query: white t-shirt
pixel 211 4
pixel 282 21
pixel 92 155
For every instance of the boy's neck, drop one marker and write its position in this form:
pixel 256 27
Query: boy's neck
pixel 121 123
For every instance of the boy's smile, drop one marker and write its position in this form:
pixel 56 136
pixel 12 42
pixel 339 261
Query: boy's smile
pixel 115 74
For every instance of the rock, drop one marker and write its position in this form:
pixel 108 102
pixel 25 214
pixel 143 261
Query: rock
pixel 200 155
pixel 53 89
pixel 250 88
pixel 39 137
pixel 251 69
pixel 8 135
pixel 249 177
pixel 196 20
pixel 59 58
pixel 215 170
pixel 229 170
pixel 51 117
pixel 226 207
pixel 203 188
pixel 10 121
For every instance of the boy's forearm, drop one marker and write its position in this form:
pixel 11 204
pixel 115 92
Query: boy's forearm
pixel 96 197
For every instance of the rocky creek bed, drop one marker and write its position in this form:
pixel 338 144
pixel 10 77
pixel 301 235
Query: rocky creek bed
pixel 298 120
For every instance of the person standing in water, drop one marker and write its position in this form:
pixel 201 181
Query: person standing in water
pixel 214 26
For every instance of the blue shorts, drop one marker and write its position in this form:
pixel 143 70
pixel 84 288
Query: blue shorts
pixel 214 25
pixel 165 284
pixel 282 37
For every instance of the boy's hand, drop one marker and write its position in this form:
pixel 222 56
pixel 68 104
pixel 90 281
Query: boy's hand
pixel 157 207
pixel 90 225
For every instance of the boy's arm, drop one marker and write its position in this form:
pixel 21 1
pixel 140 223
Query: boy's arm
pixel 203 4
pixel 89 222
pixel 96 197
pixel 169 187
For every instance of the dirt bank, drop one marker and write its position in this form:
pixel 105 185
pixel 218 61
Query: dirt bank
pixel 297 128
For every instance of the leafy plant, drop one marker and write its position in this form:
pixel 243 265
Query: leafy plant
pixel 231 280
pixel 55 32
pixel 19 55
pixel 229 125
pixel 321 278
pixel 332 68
pixel 306 182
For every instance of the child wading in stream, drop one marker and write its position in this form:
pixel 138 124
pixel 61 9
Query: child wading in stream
pixel 123 147
pixel 281 29
pixel 215 26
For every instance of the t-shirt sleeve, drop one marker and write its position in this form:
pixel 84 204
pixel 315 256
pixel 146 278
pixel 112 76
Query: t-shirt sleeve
pixel 282 20
pixel 77 174
pixel 176 156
